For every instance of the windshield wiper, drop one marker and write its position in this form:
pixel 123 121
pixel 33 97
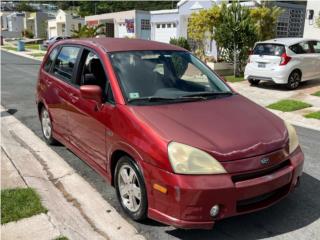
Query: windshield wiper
pixel 165 99
pixel 208 94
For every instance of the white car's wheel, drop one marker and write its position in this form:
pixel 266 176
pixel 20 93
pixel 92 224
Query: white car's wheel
pixel 294 80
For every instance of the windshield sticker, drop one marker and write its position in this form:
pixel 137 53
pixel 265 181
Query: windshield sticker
pixel 134 95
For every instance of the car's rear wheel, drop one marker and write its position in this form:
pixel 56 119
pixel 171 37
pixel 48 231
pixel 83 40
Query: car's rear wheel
pixel 130 188
pixel 46 126
pixel 294 80
pixel 254 82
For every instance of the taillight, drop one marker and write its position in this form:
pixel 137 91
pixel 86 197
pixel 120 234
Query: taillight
pixel 284 59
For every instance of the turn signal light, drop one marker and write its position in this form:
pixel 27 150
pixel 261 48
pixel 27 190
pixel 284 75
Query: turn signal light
pixel 160 188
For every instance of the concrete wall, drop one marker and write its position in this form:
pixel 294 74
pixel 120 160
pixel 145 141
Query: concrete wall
pixel 15 22
pixel 310 28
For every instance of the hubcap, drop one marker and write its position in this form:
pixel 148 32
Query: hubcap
pixel 294 80
pixel 46 124
pixel 129 188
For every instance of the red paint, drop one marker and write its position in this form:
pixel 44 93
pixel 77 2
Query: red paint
pixel 234 130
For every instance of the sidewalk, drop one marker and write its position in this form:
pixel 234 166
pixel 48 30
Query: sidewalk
pixel 75 209
pixel 28 53
pixel 265 94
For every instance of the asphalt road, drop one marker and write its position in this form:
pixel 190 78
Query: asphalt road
pixel 296 217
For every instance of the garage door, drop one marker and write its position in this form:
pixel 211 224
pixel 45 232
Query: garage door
pixel 164 31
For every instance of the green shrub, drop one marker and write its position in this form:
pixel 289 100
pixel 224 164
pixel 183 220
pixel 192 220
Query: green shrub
pixel 181 42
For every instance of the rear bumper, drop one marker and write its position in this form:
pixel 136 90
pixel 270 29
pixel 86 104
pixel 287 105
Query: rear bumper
pixel 279 74
pixel 189 199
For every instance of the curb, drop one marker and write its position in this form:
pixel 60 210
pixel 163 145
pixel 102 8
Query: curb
pixel 20 54
pixel 76 215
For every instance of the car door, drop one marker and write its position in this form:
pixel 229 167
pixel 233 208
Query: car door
pixel 59 81
pixel 86 120
pixel 315 46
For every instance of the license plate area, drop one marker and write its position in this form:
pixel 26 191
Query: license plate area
pixel 261 65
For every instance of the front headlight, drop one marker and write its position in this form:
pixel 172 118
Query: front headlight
pixel 293 137
pixel 189 160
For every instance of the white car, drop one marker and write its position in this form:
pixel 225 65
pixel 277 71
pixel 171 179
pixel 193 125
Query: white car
pixel 284 61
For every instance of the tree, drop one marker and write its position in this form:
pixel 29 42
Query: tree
pixel 318 20
pixel 24 7
pixel 86 31
pixel 265 19
pixel 235 34
pixel 201 27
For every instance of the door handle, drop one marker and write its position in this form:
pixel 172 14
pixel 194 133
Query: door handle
pixel 73 97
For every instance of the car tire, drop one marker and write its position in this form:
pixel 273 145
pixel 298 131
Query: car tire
pixel 130 189
pixel 294 80
pixel 46 126
pixel 253 82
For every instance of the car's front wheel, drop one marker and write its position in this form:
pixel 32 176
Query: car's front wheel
pixel 130 188
pixel 46 126
pixel 294 80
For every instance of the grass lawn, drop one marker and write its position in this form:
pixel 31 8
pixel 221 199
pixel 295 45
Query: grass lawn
pixel 289 105
pixel 233 78
pixel 10 48
pixel 315 115
pixel 61 238
pixel 19 203
pixel 37 54
pixel 316 94
pixel 32 46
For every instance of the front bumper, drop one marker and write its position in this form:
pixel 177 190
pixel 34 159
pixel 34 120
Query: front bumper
pixel 188 201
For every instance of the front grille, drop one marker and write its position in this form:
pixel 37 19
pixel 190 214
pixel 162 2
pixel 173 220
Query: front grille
pixel 262 200
pixel 260 173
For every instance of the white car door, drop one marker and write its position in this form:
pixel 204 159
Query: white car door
pixel 315 45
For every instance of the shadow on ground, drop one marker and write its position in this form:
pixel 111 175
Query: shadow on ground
pixel 280 87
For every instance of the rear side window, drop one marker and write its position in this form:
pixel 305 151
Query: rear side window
pixel 50 60
pixel 65 62
pixel 316 46
pixel 269 49
pixel 301 48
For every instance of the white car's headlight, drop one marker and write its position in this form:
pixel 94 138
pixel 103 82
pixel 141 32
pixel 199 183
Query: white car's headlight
pixel 189 160
pixel 293 137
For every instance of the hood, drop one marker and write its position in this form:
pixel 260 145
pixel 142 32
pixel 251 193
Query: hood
pixel 229 128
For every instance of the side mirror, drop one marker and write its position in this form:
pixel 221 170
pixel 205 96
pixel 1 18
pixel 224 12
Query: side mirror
pixel 91 92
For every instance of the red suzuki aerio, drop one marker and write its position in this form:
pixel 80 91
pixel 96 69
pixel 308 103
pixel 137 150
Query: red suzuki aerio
pixel 176 142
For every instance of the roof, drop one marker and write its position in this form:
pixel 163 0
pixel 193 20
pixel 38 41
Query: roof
pixel 287 41
pixel 167 11
pixel 125 44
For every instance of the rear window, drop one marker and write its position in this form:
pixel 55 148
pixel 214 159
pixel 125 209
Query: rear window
pixel 269 49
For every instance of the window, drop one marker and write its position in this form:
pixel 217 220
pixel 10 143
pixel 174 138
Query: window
pixel 268 49
pixel 169 25
pixel 173 25
pixel 158 25
pixel 64 64
pixel 145 24
pixel 50 60
pixel 92 73
pixel 315 45
pixel 163 25
pixel 301 48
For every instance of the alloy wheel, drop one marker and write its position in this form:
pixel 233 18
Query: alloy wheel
pixel 294 80
pixel 129 188
pixel 46 124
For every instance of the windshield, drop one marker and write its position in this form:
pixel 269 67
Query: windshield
pixel 269 49
pixel 165 76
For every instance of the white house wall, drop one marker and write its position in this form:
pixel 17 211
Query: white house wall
pixel 310 28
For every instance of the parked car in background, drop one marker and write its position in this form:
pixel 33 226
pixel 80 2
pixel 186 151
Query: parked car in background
pixel 284 61
pixel 52 40
pixel 176 142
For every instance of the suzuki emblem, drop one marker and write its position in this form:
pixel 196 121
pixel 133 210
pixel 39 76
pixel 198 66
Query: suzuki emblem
pixel 264 161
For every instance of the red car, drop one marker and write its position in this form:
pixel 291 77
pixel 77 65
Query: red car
pixel 176 142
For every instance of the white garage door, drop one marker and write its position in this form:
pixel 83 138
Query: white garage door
pixel 164 31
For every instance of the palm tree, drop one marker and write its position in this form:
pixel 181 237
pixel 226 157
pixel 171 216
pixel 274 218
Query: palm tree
pixel 86 31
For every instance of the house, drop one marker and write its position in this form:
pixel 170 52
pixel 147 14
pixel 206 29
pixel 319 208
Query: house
pixel 36 23
pixel 4 20
pixel 15 22
pixel 63 24
pixel 134 23
pixel 311 30
pixel 173 23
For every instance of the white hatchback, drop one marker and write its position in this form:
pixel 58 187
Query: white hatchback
pixel 284 61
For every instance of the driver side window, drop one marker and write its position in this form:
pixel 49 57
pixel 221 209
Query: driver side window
pixel 92 73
